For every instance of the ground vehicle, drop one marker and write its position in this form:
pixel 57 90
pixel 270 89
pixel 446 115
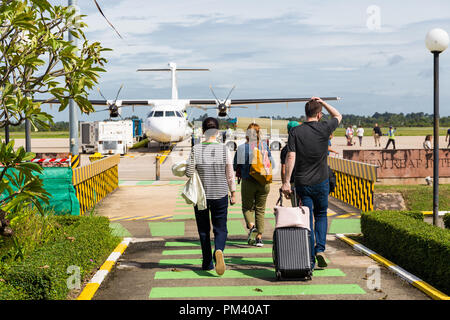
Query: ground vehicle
pixel 107 137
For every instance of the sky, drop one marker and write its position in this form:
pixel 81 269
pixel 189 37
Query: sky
pixel 370 53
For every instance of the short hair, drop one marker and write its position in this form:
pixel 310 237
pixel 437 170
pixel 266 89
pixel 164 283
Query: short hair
pixel 312 108
pixel 210 123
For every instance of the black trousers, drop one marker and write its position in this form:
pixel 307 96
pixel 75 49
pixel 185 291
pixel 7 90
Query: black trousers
pixel 389 142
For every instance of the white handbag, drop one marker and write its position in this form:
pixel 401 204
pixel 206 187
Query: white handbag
pixel 194 193
pixel 291 216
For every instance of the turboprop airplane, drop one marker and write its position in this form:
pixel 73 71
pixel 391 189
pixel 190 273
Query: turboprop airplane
pixel 167 121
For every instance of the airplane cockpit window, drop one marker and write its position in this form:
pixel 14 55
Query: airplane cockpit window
pixel 150 114
pixel 179 115
pixel 170 113
pixel 158 114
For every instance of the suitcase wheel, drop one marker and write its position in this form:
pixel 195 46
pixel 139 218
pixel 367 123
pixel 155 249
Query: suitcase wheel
pixel 278 275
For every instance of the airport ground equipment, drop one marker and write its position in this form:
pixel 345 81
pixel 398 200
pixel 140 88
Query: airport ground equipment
pixel 107 137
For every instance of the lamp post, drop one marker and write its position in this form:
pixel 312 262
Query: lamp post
pixel 437 41
pixel 73 116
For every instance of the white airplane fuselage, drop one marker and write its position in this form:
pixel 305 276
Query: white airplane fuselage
pixel 167 124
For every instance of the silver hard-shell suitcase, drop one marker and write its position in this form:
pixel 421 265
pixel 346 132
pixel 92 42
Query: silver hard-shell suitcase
pixel 291 253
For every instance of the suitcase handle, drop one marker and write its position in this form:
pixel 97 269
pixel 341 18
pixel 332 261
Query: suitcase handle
pixel 280 201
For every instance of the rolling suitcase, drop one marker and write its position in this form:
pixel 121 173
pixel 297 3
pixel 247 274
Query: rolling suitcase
pixel 291 245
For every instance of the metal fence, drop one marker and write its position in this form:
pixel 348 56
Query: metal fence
pixel 93 182
pixel 355 182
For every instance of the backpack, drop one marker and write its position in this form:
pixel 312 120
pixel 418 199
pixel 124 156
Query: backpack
pixel 261 167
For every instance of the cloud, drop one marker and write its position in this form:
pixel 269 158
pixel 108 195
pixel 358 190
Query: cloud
pixel 392 61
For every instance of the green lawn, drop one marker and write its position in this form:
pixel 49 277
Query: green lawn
pixel 419 197
pixel 37 135
pixel 405 131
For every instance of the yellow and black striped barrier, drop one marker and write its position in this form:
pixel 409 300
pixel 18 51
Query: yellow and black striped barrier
pixel 93 182
pixel 355 182
pixel 74 161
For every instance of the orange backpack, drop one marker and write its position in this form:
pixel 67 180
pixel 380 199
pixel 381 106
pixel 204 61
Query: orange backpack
pixel 261 167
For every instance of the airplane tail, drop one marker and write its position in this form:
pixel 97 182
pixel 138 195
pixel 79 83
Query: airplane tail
pixel 173 69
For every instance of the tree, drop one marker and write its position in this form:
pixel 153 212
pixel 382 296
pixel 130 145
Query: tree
pixel 36 60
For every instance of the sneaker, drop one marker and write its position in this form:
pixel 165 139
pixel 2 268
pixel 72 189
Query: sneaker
pixel 258 242
pixel 252 235
pixel 220 262
pixel 321 263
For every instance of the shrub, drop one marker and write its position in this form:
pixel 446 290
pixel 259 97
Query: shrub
pixel 84 242
pixel 447 220
pixel 416 246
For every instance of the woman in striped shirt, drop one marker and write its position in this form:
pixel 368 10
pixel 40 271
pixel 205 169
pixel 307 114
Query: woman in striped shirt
pixel 214 165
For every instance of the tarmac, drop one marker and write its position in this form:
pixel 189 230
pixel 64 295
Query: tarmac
pixel 163 259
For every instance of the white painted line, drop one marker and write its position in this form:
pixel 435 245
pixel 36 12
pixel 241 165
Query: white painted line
pixel 99 276
pixel 113 256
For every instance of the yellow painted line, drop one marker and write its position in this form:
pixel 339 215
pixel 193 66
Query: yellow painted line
pixel 92 287
pixel 89 291
pixel 419 284
pixel 431 291
pixel 345 215
pixel 161 217
pixel 330 214
pixel 349 241
pixel 382 260
pixel 119 218
pixel 139 218
pixel 165 153
pixel 427 212
pixel 120 248
pixel 107 265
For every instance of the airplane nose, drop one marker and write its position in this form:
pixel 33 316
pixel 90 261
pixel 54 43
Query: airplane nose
pixel 164 130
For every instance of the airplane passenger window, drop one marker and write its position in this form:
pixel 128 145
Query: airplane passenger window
pixel 170 113
pixel 158 114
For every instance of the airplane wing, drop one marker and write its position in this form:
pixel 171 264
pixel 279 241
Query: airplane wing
pixel 236 102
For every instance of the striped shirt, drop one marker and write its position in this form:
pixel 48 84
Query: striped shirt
pixel 213 163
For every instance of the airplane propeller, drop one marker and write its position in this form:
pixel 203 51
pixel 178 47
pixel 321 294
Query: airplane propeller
pixel 113 108
pixel 221 105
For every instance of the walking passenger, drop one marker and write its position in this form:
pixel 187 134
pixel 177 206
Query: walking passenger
pixel 212 160
pixel 391 136
pixel 377 135
pixel 427 143
pixel 360 134
pixel 307 152
pixel 254 193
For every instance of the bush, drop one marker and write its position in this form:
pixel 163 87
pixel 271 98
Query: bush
pixel 447 220
pixel 416 246
pixel 84 242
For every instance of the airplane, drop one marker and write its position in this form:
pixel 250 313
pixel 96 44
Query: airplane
pixel 167 122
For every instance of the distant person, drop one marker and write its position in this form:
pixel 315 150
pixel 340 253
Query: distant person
pixel 391 137
pixel 360 134
pixel 307 152
pixel 427 143
pixel 213 163
pixel 377 135
pixel 283 155
pixel 448 138
pixel 253 193
pixel 329 147
pixel 349 134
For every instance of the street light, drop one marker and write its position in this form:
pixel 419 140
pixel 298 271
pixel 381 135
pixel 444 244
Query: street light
pixel 437 41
